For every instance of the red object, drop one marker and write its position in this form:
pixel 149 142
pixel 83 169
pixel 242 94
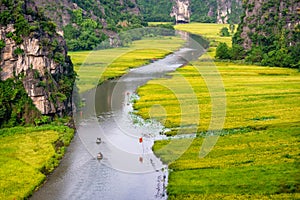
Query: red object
pixel 141 139
pixel 141 159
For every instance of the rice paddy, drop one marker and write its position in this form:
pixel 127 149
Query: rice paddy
pixel 257 154
pixel 94 67
pixel 26 155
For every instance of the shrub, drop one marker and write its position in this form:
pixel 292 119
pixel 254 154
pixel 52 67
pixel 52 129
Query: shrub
pixel 224 32
pixel 18 51
pixel 223 51
pixel 2 44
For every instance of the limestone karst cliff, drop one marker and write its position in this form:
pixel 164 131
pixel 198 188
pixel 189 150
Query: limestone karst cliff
pixel 211 11
pixel 33 53
pixel 265 18
pixel 181 11
pixel 269 33
pixel 216 11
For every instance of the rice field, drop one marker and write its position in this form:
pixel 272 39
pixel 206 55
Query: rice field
pixel 254 97
pixel 257 155
pixel 94 67
pixel 26 155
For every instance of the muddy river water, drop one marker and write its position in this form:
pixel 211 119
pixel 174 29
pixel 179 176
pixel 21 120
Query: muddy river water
pixel 128 169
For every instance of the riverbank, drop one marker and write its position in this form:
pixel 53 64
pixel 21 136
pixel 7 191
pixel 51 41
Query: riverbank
pixel 256 154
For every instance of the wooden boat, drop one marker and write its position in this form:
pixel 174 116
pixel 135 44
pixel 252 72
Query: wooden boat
pixel 99 156
pixel 98 140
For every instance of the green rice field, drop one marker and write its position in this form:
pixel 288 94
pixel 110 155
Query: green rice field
pixel 94 67
pixel 257 154
pixel 26 155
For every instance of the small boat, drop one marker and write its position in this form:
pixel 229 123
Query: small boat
pixel 99 156
pixel 98 140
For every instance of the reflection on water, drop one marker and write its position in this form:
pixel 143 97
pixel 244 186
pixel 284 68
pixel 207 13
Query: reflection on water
pixel 129 169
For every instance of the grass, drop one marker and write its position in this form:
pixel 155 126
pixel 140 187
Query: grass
pixel 257 154
pixel 26 155
pixel 94 67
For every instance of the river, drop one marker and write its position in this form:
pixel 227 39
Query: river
pixel 129 169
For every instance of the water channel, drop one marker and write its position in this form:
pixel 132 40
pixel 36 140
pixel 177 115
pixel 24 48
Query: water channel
pixel 129 169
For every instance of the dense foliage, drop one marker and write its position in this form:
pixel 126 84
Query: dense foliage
pixel 273 34
pixel 87 30
pixel 202 11
pixel 156 11
pixel 15 105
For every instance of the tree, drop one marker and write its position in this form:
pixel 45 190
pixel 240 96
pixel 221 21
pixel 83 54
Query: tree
pixel 231 27
pixel 237 52
pixel 223 51
pixel 224 32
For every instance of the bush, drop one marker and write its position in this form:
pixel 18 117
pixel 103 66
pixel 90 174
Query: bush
pixel 224 32
pixel 255 55
pixel 237 52
pixel 223 51
pixel 18 51
pixel 2 44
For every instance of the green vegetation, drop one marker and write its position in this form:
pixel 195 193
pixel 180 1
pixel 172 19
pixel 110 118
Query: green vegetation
pixel 269 41
pixel 86 31
pixel 16 108
pixel 255 165
pixel 251 92
pixel 27 155
pixel 94 67
pixel 156 11
pixel 257 154
pixel 202 11
pixel 225 32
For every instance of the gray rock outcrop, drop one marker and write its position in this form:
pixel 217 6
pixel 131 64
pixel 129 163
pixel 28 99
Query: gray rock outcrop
pixel 181 11
pixel 43 75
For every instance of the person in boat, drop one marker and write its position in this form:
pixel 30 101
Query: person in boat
pixel 98 140
pixel 99 156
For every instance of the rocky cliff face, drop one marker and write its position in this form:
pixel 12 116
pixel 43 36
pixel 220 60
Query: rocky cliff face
pixel 265 18
pixel 227 11
pixel 216 11
pixel 60 11
pixel 181 11
pixel 269 33
pixel 37 55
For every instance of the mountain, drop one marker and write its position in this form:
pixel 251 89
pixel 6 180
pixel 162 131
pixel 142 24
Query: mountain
pixel 87 23
pixel 270 32
pixel 211 11
pixel 36 75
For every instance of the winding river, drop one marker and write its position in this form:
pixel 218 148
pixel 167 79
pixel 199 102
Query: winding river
pixel 128 169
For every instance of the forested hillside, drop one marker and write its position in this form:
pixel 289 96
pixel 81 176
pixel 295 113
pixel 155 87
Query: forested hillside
pixel 87 23
pixel 269 33
pixel 211 11
pixel 156 11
